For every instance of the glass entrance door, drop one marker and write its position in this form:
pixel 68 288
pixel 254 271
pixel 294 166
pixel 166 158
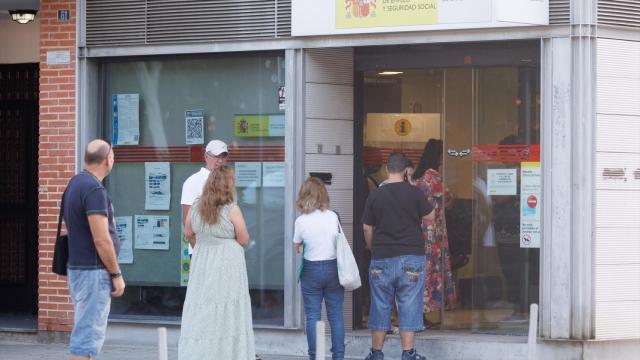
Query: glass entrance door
pixel 468 132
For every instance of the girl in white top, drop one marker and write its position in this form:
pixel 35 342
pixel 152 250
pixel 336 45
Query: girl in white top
pixel 317 228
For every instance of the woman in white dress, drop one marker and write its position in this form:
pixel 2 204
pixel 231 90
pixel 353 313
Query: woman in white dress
pixel 216 318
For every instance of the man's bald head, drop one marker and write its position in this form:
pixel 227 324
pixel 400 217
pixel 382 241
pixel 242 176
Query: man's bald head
pixel 97 152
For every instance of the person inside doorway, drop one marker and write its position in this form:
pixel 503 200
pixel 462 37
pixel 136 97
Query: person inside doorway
pixel 440 286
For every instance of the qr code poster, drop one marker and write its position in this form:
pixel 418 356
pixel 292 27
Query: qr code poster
pixel 194 126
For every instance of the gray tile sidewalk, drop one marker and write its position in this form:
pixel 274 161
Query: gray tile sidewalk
pixel 58 351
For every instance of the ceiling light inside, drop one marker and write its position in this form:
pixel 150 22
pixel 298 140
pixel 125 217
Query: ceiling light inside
pixel 390 73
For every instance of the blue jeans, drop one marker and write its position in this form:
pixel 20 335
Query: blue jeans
pixel 90 292
pixel 319 280
pixel 400 279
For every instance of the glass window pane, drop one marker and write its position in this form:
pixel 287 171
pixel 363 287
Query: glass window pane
pixel 236 99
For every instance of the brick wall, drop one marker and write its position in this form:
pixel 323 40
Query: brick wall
pixel 57 155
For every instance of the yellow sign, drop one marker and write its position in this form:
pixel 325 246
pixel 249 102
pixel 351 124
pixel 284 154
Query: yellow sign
pixel 402 127
pixel 378 13
pixel 258 125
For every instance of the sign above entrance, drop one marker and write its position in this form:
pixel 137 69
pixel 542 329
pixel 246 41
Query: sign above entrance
pixel 374 16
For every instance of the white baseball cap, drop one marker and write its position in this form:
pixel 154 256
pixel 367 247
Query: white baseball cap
pixel 216 147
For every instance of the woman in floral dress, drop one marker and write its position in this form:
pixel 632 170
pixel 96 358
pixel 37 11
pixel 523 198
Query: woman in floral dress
pixel 439 281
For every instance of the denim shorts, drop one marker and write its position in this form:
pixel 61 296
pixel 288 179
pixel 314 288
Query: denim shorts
pixel 90 292
pixel 399 279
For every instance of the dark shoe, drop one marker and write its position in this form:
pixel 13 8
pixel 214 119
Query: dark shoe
pixel 412 356
pixel 378 355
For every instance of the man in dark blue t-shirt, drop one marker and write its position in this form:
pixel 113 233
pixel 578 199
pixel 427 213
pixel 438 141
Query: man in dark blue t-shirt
pixel 392 222
pixel 93 272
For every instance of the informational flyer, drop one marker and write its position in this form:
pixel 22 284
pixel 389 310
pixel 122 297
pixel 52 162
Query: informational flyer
pixel 248 174
pixel 273 174
pixel 194 126
pixel 126 119
pixel 157 181
pixel 530 207
pixel 185 259
pixel 124 228
pixel 502 181
pixel 152 232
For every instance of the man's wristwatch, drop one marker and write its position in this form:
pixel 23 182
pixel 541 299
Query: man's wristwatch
pixel 115 275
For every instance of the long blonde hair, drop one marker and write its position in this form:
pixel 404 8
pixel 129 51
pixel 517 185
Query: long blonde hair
pixel 218 191
pixel 313 195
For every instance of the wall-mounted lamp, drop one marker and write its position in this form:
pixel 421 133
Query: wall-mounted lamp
pixel 23 16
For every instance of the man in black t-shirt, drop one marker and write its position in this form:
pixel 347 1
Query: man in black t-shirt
pixel 93 272
pixel 392 221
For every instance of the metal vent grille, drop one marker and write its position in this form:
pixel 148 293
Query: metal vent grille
pixel 619 12
pixel 283 18
pixel 559 12
pixel 111 22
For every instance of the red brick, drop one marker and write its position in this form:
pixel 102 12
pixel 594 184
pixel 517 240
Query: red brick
pixel 59 299
pixel 67 101
pixel 46 28
pixel 67 43
pixel 45 306
pixel 69 87
pixel 62 80
pixel 71 28
pixel 60 36
pixel 65 307
pixel 48 291
pixel 49 43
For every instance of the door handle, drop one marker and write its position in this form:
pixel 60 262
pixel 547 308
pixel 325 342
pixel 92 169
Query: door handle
pixel 461 153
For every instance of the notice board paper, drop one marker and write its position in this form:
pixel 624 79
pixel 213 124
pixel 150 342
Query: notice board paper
pixel 530 206
pixel 126 119
pixel 152 232
pixel 157 179
pixel 124 228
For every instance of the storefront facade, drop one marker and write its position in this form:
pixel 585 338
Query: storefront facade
pixel 525 111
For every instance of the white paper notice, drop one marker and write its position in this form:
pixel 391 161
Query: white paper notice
pixel 152 232
pixel 58 57
pixel 248 174
pixel 124 228
pixel 276 125
pixel 530 194
pixel 157 181
pixel 273 174
pixel 126 121
pixel 194 126
pixel 502 182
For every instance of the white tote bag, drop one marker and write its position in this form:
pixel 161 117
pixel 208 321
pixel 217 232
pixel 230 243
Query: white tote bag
pixel 348 272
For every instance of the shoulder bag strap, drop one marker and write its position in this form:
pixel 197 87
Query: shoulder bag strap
pixel 339 222
pixel 61 212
